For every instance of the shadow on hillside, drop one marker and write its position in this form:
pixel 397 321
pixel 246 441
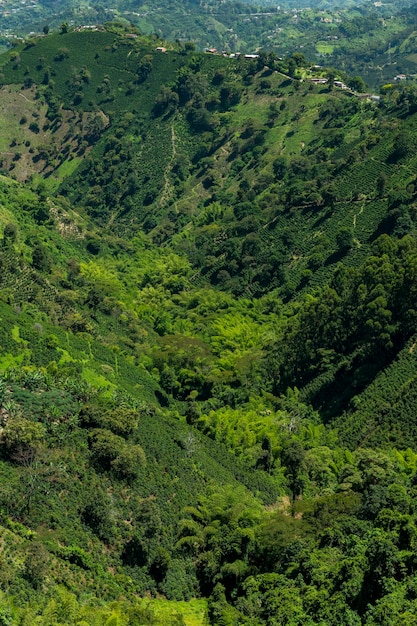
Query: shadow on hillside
pixel 385 227
pixel 336 257
pixel 322 219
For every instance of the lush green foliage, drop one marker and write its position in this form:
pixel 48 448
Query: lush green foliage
pixel 207 340
pixel 375 42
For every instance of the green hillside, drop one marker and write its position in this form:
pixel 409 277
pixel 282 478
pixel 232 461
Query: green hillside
pixel 373 40
pixel 207 339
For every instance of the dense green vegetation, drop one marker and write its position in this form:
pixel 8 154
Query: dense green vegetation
pixel 372 40
pixel 208 330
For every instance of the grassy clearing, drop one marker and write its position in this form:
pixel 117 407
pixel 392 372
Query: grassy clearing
pixel 412 58
pixel 193 613
pixel 20 115
pixel 28 145
pixel 66 169
pixel 324 48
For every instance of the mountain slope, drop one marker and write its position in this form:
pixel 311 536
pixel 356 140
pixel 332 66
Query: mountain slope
pixel 250 179
pixel 208 339
pixel 373 41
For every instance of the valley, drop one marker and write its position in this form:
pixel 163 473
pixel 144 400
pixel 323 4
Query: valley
pixel 207 362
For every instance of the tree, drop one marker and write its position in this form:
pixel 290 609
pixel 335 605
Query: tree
pixel 105 447
pixel 41 214
pixel 344 239
pixel 95 513
pixel 22 437
pixel 165 102
pixel 280 167
pixel 278 596
pixel 120 420
pixel 94 129
pixel 230 95
pixel 403 146
pixel 45 29
pixel 128 462
pixel 64 28
pixel 160 564
pixel 331 77
pixel 299 59
pixel 381 184
pixel 266 459
pixel 36 564
pixel 357 84
pixel 9 233
pixel 221 533
pixel 112 453
pixel 292 66
pixel 145 68
pixel 292 458
pixel 41 259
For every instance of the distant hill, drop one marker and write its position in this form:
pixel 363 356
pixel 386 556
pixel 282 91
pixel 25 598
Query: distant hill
pixel 363 39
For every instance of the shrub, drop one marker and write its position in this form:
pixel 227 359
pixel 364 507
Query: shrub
pixel 96 513
pixel 128 462
pixel 120 421
pixel 36 564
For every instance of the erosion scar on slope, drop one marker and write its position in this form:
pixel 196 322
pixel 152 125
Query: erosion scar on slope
pixel 360 213
pixel 167 184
